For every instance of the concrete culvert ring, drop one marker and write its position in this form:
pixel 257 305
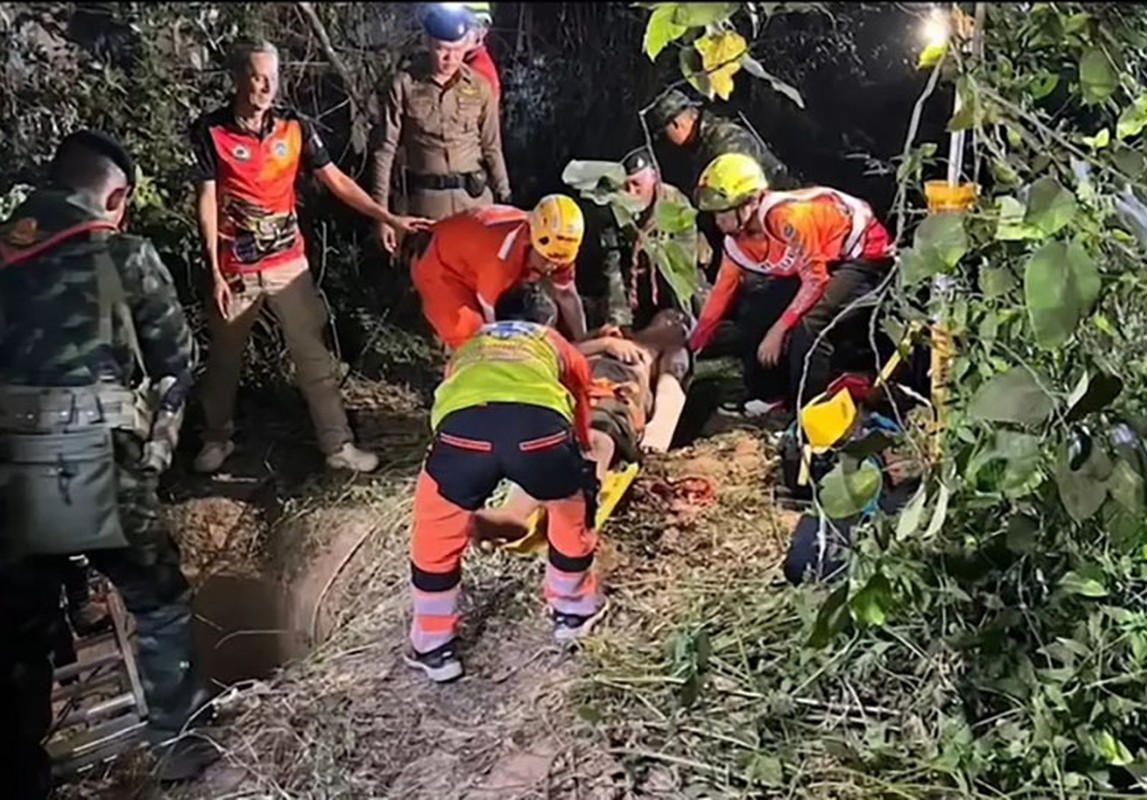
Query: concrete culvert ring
pixel 266 594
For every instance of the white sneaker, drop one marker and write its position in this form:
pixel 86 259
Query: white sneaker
pixel 350 457
pixel 212 456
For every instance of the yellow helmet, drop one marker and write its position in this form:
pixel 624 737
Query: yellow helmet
pixel 556 228
pixel 730 180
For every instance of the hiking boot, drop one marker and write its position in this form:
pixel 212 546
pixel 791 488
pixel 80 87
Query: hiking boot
pixel 212 456
pixel 441 665
pixel 183 758
pixel 89 618
pixel 350 457
pixel 568 628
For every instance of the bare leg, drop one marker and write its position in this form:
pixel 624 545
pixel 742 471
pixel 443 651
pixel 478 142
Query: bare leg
pixel 668 402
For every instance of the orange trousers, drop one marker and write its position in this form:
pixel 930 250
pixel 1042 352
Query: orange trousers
pixel 473 450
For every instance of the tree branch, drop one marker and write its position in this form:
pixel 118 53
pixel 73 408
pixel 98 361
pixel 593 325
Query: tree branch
pixel 360 119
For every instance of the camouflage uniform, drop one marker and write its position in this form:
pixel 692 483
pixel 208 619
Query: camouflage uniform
pixel 715 136
pixel 49 337
pixel 633 289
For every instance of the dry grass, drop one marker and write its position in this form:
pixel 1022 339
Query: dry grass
pixel 351 721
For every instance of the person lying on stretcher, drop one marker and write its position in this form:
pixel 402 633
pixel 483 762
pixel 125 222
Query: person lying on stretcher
pixel 635 399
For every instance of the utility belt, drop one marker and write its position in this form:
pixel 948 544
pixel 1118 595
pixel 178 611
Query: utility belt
pixel 473 182
pixel 58 473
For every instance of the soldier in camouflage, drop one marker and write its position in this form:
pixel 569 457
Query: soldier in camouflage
pixel 625 287
pixel 704 135
pixel 89 322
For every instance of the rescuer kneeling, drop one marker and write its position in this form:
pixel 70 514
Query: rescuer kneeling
pixel 514 405
pixel 831 242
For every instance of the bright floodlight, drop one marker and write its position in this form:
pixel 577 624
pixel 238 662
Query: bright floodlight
pixel 936 29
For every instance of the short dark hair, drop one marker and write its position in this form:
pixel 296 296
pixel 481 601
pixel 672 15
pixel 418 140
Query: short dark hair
pixel 88 160
pixel 526 302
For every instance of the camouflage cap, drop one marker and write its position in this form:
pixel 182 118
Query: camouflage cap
pixel 637 160
pixel 666 109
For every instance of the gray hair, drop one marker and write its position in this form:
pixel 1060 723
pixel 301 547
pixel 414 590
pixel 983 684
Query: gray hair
pixel 240 56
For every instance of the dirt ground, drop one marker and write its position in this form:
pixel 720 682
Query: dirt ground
pixel 313 575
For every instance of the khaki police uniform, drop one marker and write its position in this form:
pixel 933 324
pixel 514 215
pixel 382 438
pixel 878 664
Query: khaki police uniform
pixel 451 140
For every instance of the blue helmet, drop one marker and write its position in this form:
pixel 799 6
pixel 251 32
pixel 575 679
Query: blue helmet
pixel 448 22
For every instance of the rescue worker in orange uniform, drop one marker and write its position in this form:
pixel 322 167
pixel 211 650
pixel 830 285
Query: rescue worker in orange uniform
pixel 514 405
pixel 829 240
pixel 473 257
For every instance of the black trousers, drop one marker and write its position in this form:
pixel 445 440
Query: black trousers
pixel 534 447
pixel 763 303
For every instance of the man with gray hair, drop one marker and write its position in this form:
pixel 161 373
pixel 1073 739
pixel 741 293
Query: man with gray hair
pixel 249 154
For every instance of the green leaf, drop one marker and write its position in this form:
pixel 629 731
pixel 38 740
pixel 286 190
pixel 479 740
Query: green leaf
pixel 912 515
pixel 1082 490
pixel 830 619
pixel 916 268
pixel 1133 119
pixel 754 68
pixel 869 605
pixel 674 217
pixel 1093 392
pixel 940 513
pixel 942 236
pixel 1021 534
pixel 931 55
pixel 765 770
pixel 1076 23
pixel 662 29
pixel 996 282
pixel 1114 752
pixel 1049 206
pixel 1097 78
pixel 689 60
pixel 1011 226
pixel 698 15
pixel 1130 162
pixel 1012 396
pixel 596 180
pixel 849 488
pixel 1043 85
pixel 1085 587
pixel 677 265
pixel 1099 140
pixel 1126 486
pixel 1061 284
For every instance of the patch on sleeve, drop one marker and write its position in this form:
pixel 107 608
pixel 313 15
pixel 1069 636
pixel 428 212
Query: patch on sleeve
pixel 22 232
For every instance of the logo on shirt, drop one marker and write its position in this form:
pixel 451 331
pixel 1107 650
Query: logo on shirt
pixel 511 329
pixel 241 153
pixel 280 149
pixel 22 233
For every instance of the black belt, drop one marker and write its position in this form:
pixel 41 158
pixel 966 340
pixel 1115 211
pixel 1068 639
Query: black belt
pixel 452 180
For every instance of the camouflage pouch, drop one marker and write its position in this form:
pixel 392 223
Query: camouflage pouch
pixel 59 493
